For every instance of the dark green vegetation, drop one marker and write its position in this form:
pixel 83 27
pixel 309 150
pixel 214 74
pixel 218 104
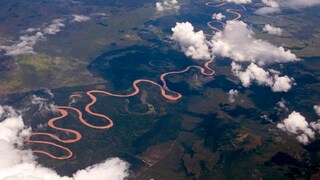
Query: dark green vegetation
pixel 201 136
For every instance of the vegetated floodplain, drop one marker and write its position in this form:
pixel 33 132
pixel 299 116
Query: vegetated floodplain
pixel 37 71
pixel 61 59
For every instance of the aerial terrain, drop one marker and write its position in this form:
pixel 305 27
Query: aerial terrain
pixel 159 89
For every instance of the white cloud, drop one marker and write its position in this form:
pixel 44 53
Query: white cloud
pixel 24 46
pixel 272 30
pixel 316 126
pixel 27 42
pixel 232 94
pixel 272 7
pixel 99 14
pixel 298 3
pixel 49 92
pixel 80 18
pixel 271 3
pixel 218 16
pixel 296 124
pixel 33 35
pixel 267 10
pixel 282 83
pixel 275 6
pixel 281 105
pixel 54 27
pixel 269 78
pixel 303 139
pixel 236 41
pixel 17 163
pixel 31 30
pixel 317 109
pixel 43 104
pixel 240 1
pixel 167 5
pixel 193 44
pixel 110 169
pixel 252 73
pixel 7 111
pixel 266 118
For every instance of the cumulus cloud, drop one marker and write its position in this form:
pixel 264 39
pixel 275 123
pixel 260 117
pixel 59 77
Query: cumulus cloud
pixel 252 73
pixel 18 163
pixel 240 1
pixel 232 94
pixel 296 124
pixel 167 5
pixel 193 44
pixel 236 41
pixel 269 78
pixel 80 18
pixel 281 83
pixel 271 3
pixel 218 16
pixel 316 126
pixel 272 30
pixel 317 109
